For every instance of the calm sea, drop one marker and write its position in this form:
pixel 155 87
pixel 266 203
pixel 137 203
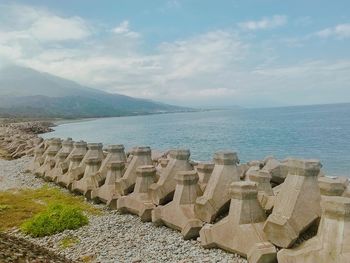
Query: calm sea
pixel 321 132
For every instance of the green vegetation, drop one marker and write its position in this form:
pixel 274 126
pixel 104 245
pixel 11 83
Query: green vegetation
pixel 55 219
pixel 69 241
pixel 20 205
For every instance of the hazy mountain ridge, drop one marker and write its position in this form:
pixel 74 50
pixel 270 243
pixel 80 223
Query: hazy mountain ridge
pixel 28 93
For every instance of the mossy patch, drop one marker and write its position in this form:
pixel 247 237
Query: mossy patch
pixel 55 219
pixel 69 241
pixel 26 203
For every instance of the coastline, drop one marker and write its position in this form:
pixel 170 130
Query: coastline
pixel 109 237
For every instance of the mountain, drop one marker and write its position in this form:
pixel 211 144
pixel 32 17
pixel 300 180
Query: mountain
pixel 26 92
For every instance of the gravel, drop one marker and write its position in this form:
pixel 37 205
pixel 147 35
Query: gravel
pixel 112 236
pixel 12 176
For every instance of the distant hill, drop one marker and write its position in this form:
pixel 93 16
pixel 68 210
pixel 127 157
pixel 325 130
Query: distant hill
pixel 25 92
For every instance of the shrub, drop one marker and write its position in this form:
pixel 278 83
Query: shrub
pixel 56 218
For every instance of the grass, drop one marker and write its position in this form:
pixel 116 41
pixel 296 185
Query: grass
pixel 20 205
pixel 69 241
pixel 55 219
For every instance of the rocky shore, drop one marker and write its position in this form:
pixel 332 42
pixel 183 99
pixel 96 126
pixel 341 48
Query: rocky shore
pixel 274 210
pixel 18 138
pixel 110 237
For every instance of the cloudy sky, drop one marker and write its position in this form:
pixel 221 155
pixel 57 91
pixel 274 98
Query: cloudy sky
pixel 253 53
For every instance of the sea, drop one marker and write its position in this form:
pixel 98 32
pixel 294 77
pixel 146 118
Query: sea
pixel 314 132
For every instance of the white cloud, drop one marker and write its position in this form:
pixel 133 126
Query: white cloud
pixel 264 23
pixel 25 23
pixel 340 31
pixel 54 28
pixel 216 67
pixel 123 29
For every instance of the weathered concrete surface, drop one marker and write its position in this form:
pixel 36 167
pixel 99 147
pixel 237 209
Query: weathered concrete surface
pixel 332 242
pixel 65 178
pixel 204 171
pixel 333 186
pixel 115 153
pixel 125 185
pixel 54 147
pixel 106 192
pixel 242 230
pixel 297 205
pixel 179 213
pixel 84 181
pixel 139 202
pixel 266 195
pixel 163 191
pixel 91 181
pixel 216 196
pixel 37 161
pixel 67 147
pixel 277 169
pixel 87 183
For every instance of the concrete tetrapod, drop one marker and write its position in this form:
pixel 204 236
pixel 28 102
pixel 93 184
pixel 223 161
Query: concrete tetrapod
pixel 125 185
pixel 73 161
pixel 334 186
pixel 94 181
pixel 266 196
pixel 106 192
pixel 67 147
pixel 297 205
pixel 115 153
pixel 94 151
pixel 37 161
pixel 241 231
pixel 163 191
pixel 332 242
pixel 86 184
pixel 55 145
pixel 139 202
pixel 204 171
pixel 216 197
pixel 179 213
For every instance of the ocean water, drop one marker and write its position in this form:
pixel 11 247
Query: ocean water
pixel 319 132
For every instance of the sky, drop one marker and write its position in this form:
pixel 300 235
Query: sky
pixel 251 53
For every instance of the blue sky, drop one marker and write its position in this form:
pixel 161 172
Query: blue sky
pixel 254 53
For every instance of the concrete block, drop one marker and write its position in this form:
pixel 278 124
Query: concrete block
pixel 115 153
pixel 241 231
pixel 163 191
pixel 74 159
pixel 297 205
pixel 332 242
pixel 37 161
pixel 54 147
pixel 204 171
pixel 266 195
pixel 277 169
pixel 139 202
pixel 216 197
pixel 179 213
pixel 332 186
pixel 87 183
pixel 106 192
pixel 125 185
pixel 67 147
